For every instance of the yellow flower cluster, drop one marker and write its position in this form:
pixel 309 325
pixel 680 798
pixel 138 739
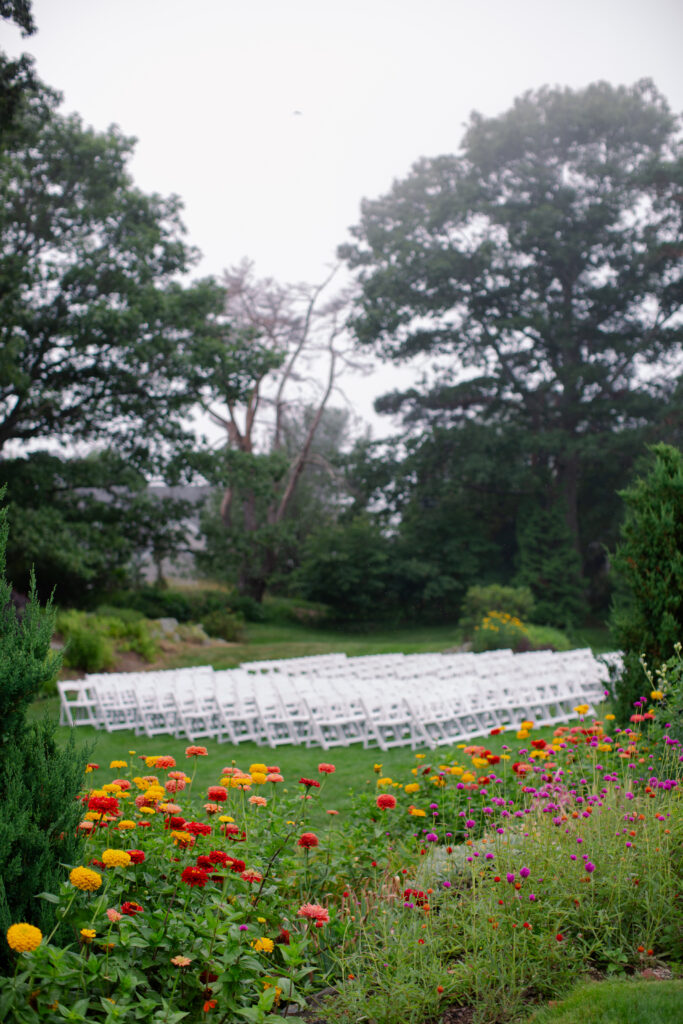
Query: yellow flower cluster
pixel 116 858
pixel 496 621
pixel 263 945
pixel 24 938
pixel 85 879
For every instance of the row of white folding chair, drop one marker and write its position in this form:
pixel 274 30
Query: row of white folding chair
pixel 77 703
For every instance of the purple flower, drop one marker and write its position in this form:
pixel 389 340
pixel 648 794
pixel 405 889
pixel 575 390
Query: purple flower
pixel 590 866
pixel 469 823
pixel 432 837
pixel 243 927
pixel 510 877
pixel 524 872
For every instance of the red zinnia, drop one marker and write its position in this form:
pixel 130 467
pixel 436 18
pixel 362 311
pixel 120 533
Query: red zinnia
pixel 236 865
pixel 218 857
pixel 218 793
pixel 174 822
pixel 136 856
pixel 131 908
pixel 104 804
pixel 194 876
pixel 283 937
pixel 197 828
pixel 310 782
pixel 307 840
pixel 196 752
pixel 165 761
pixel 326 769
pixel 385 801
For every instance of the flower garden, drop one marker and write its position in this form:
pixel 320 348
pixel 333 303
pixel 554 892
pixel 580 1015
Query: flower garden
pixel 492 876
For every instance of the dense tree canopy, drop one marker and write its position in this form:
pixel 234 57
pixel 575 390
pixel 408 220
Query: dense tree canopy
pixel 541 268
pixel 98 337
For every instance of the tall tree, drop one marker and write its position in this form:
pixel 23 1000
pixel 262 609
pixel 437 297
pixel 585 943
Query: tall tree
pixel 98 338
pixel 301 337
pixel 541 268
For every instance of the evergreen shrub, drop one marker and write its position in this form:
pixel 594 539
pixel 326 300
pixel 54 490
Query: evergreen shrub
pixel 39 780
pixel 647 617
pixel 223 624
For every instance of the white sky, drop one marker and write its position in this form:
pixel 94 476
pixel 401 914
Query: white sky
pixel 210 89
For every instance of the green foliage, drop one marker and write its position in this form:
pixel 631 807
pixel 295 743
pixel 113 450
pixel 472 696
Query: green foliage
pixel 224 624
pixel 546 637
pixel 499 631
pixel 83 522
pixel 183 605
pixel 38 778
pixel 516 601
pixel 549 565
pixel 116 349
pixel 347 566
pixel 526 268
pixel 648 616
pixel 91 639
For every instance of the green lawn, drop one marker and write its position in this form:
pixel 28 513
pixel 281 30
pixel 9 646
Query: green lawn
pixel 267 641
pixel 617 1002
pixel 354 765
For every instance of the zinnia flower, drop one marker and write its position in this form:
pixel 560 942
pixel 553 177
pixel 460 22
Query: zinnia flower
pixel 196 752
pixel 263 945
pixel 197 828
pixel 308 840
pixel 116 858
pixel 217 793
pixel 88 934
pixel 113 915
pixel 251 876
pixel 131 908
pixel 136 856
pixel 104 804
pixel 313 912
pixel 194 876
pixel 24 938
pixel 326 769
pixel 385 801
pixel 258 801
pixel 165 761
pixel 274 777
pixel 310 782
pixel 181 961
pixel 85 879
pixel 118 764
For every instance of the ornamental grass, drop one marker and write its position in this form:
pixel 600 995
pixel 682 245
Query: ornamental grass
pixel 473 877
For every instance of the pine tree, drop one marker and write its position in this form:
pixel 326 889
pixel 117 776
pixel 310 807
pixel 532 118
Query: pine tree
pixel 647 616
pixel 39 780
pixel 549 565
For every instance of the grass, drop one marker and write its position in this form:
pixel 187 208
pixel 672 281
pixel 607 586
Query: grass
pixel 268 641
pixel 354 765
pixel 617 1002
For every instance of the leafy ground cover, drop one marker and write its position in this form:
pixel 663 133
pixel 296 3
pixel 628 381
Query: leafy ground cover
pixel 491 876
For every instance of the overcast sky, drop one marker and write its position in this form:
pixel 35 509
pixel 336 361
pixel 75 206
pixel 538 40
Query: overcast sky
pixel 272 119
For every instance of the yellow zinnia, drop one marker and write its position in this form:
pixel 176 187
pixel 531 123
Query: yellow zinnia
pixel 263 945
pixel 412 787
pixel 118 764
pixel 116 858
pixel 24 938
pixel 657 695
pixel 85 879
pixel 88 934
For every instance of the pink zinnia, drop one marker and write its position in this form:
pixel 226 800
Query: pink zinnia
pixel 326 769
pixel 314 912
pixel 274 777
pixel 175 785
pixel 113 915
